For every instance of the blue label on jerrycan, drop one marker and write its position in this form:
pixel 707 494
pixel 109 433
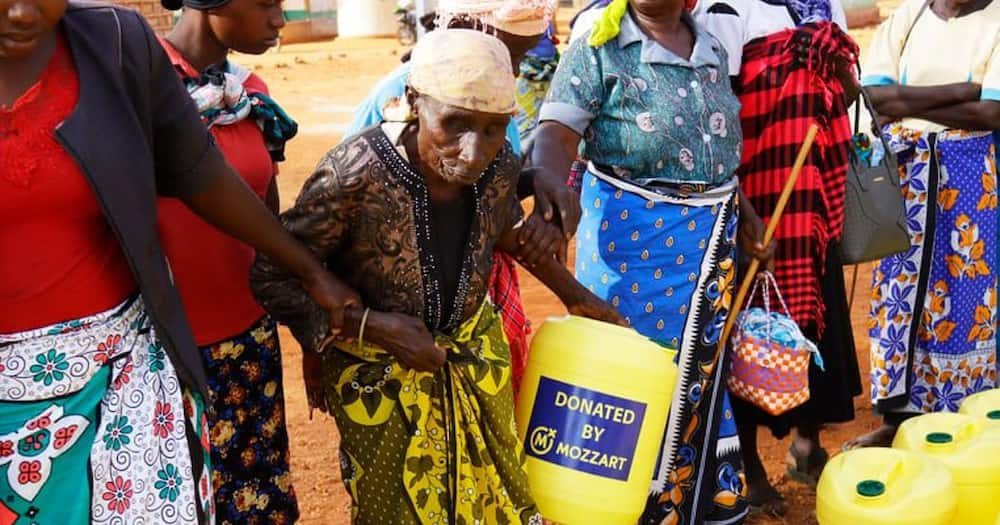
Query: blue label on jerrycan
pixel 584 430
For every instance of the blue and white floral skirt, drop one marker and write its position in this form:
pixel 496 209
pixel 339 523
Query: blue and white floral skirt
pixel 666 260
pixel 96 428
pixel 934 308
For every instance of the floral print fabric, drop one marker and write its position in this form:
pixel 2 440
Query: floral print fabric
pixel 98 399
pixel 646 113
pixel 250 459
pixel 431 448
pixel 934 307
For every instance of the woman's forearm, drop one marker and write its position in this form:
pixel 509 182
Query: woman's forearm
pixel 556 277
pixel 229 205
pixel 554 150
pixel 981 115
pixel 900 102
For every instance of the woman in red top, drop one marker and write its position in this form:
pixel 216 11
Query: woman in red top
pixel 101 384
pixel 249 443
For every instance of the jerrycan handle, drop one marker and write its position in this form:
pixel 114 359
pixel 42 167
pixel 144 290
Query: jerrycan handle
pixel 873 489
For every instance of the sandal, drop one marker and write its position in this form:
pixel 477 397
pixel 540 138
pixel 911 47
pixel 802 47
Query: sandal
pixel 806 468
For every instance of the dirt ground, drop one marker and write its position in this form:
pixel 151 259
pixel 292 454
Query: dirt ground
pixel 320 85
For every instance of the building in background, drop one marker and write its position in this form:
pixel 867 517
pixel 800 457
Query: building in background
pixel 308 20
pixel 158 17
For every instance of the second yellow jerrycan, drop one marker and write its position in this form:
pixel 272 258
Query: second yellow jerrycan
pixel 592 410
pixel 971 451
pixel 883 486
pixel 984 404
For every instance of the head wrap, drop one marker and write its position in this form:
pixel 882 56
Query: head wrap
pixel 610 23
pixel 464 68
pixel 517 17
pixel 201 5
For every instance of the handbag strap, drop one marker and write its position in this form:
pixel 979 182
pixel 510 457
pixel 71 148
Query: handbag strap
pixel 864 94
pixel 909 31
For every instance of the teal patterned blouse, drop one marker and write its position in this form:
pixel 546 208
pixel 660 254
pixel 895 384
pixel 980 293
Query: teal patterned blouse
pixel 648 114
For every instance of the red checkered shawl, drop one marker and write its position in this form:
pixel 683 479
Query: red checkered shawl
pixel 781 98
pixel 506 294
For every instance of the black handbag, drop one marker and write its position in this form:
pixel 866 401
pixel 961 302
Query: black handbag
pixel 874 208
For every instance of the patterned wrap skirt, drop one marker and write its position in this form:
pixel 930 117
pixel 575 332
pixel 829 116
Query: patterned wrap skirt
pixel 666 259
pixel 96 428
pixel 250 459
pixel 431 448
pixel 934 307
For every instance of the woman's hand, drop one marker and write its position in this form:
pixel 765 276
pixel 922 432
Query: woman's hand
pixel 591 307
pixel 312 375
pixel 553 196
pixel 407 338
pixel 330 294
pixel 538 240
pixel 751 235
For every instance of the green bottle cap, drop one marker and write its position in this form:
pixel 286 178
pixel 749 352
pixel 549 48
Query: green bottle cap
pixel 871 488
pixel 939 438
pixel 994 415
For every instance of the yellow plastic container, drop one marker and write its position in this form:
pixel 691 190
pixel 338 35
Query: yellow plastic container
pixel 971 451
pixel 592 409
pixel 883 486
pixel 984 404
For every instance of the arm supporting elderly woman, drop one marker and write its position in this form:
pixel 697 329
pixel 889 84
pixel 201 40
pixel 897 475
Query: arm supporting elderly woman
pixel 228 204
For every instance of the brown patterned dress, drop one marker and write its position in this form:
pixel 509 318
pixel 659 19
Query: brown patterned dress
pixel 417 447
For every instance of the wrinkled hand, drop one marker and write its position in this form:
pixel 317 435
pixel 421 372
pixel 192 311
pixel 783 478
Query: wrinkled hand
pixel 407 338
pixel 751 237
pixel 332 295
pixel 538 240
pixel 592 307
pixel 312 375
pixel 555 201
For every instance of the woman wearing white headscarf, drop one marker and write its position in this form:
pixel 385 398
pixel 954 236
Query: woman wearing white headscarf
pixel 518 24
pixel 409 213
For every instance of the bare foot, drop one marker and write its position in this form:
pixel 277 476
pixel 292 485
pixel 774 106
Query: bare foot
pixel 880 437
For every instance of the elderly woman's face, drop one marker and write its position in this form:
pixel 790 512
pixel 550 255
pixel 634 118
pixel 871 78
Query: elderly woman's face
pixel 24 24
pixel 458 144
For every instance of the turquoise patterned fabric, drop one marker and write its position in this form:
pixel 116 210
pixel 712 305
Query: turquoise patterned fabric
pixel 648 114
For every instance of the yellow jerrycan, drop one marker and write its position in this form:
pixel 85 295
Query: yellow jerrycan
pixel 884 486
pixel 984 404
pixel 971 451
pixel 591 413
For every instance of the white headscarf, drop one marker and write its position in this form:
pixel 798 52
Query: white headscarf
pixel 464 68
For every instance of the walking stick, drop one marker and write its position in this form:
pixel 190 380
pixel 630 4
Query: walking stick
pixel 779 208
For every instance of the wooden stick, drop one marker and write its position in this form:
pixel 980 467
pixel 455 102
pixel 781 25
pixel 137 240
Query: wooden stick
pixel 779 208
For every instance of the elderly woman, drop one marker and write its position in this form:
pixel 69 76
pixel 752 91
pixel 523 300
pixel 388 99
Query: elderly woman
pixel 101 383
pixel 934 308
pixel 648 92
pixel 239 342
pixel 793 66
pixel 409 213
pixel 518 24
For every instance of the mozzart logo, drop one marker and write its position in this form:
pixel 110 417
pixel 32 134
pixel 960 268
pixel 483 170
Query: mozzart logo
pixel 542 440
pixel 584 430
